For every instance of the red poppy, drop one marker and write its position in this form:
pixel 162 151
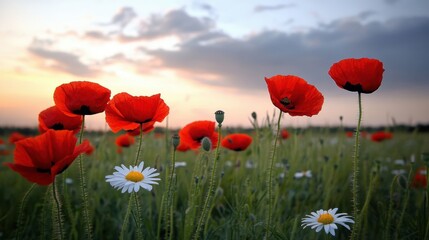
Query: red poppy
pixel 236 141
pixel 136 132
pixel 420 178
pixel 53 118
pixel 358 75
pixel 125 140
pixel 182 147
pixel 192 134
pixel 16 136
pixel 90 150
pixel 128 112
pixel 81 98
pixel 284 134
pixel 39 159
pixel 350 134
pixel 381 136
pixel 294 95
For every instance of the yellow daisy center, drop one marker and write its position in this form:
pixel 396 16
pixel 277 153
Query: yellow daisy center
pixel 326 218
pixel 134 176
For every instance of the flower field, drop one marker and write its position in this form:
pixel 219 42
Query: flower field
pixel 209 180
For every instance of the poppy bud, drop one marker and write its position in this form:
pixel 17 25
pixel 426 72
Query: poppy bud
pixel 206 143
pixel 176 140
pixel 219 114
pixel 254 116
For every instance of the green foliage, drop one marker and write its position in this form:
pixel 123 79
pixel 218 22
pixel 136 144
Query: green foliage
pixel 238 207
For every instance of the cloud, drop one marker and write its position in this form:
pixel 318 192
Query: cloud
pixel 175 22
pixel 61 61
pixel 221 60
pixel 124 16
pixel 264 8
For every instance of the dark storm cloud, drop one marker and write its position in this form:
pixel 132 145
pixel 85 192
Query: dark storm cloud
pixel 64 62
pixel 175 22
pixel 263 8
pixel 401 44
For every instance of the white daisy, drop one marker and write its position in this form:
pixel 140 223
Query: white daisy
pixel 326 220
pixel 132 178
pixel 180 164
pixel 306 174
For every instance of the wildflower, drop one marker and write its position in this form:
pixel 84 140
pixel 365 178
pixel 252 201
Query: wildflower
pixel 419 178
pixel 136 132
pixel 81 98
pixel 293 95
pixel 90 150
pixel 250 164
pixel 124 140
pixel 180 164
pixel 133 178
pixel 284 134
pixel 192 134
pixel 349 134
pixel 53 118
pixel 182 147
pixel 16 136
pixel 399 162
pixel 381 136
pixel 362 75
pixel 39 159
pixel 69 181
pixel 399 172
pixel 129 112
pixel 326 220
pixel 302 174
pixel 236 141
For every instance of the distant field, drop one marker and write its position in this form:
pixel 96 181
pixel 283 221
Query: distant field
pixel 392 207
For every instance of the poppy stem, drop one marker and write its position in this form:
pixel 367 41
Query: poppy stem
pixel 355 201
pixel 139 214
pixel 58 211
pixel 21 210
pixel 140 145
pixel 210 192
pixel 84 194
pixel 170 198
pixel 270 178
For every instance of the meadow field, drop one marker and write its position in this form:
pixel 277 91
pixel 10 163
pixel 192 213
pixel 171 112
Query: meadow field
pixel 312 170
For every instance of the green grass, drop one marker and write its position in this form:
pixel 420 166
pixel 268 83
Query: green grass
pixel 239 206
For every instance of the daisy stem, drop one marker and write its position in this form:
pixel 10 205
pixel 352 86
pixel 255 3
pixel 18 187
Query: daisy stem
pixel 58 211
pixel 270 178
pixel 140 145
pixel 138 217
pixel 355 173
pixel 84 194
pixel 21 210
pixel 126 218
pixel 210 192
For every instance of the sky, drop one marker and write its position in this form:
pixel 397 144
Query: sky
pixel 205 56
